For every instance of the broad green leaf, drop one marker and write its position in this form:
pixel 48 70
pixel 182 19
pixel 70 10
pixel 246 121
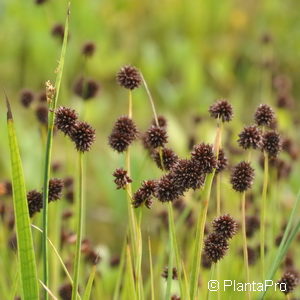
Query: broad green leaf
pixel 26 255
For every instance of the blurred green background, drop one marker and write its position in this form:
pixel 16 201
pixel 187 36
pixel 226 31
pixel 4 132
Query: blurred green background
pixel 190 53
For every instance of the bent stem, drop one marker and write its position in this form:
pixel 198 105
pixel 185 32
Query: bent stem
pixel 79 219
pixel 263 212
pixel 245 250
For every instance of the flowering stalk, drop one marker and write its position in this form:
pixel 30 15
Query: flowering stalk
pixel 79 218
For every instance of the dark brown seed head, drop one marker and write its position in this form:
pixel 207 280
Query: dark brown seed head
pixel 58 31
pixel 203 155
pixel 288 282
pixel 55 189
pixel 86 88
pixel 129 77
pixel 289 146
pixel 65 119
pixel 41 113
pixel 165 273
pixel 252 225
pixel 26 98
pixel 266 38
pixel 5 188
pixel 222 162
pixel 264 115
pixel 225 225
pixel 222 110
pixel 175 297
pixel 215 247
pixel 123 134
pixel 144 194
pixel 35 202
pixel 65 291
pixel 156 137
pixel 187 174
pixel 88 49
pixel 205 261
pixel 250 137
pixel 83 135
pixel 38 2
pixel 114 261
pixel 242 176
pixel 166 189
pixel 285 100
pixel 162 122
pixel 121 178
pixel 271 143
pixel 68 182
pixel 166 160
pixel 92 257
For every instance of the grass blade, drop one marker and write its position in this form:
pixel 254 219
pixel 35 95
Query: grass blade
pixel 88 289
pixel 288 236
pixel 27 263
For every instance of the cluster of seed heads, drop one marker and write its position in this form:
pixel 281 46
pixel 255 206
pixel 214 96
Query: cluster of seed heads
pixel 35 198
pixel 81 133
pixel 216 244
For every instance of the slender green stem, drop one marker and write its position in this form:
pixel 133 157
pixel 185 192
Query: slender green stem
pixel 79 219
pixel 52 106
pixel 199 240
pixel 263 213
pixel 245 249
pixel 171 256
pixel 151 270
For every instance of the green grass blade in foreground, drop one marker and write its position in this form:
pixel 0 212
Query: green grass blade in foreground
pixel 51 116
pixel 27 262
pixel 288 236
pixel 89 286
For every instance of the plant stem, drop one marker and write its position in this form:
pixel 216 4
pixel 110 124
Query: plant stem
pixel 170 265
pixel 263 213
pixel 245 250
pixel 150 99
pixel 151 270
pixel 202 220
pixel 51 115
pixel 79 227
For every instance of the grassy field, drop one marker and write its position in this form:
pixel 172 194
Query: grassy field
pixel 190 54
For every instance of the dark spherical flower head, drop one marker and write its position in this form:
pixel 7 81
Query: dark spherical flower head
pixel 58 30
pixel 271 143
pixel 65 119
pixel 252 225
pixel 129 77
pixel 144 193
pixel 203 154
pixel 222 162
pixel 250 137
pixel 288 282
pixel 121 178
pixel 187 174
pixel 166 160
pixel 38 2
pixel 65 291
pixel 123 134
pixel 242 177
pixel 88 49
pixel 26 98
pixel 156 137
pixel 166 189
pixel 165 273
pixel 86 88
pixel 215 247
pixel 264 115
pixel 222 109
pixel 225 225
pixel 41 113
pixel 162 121
pixel 83 136
pixel 55 189
pixel 35 202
